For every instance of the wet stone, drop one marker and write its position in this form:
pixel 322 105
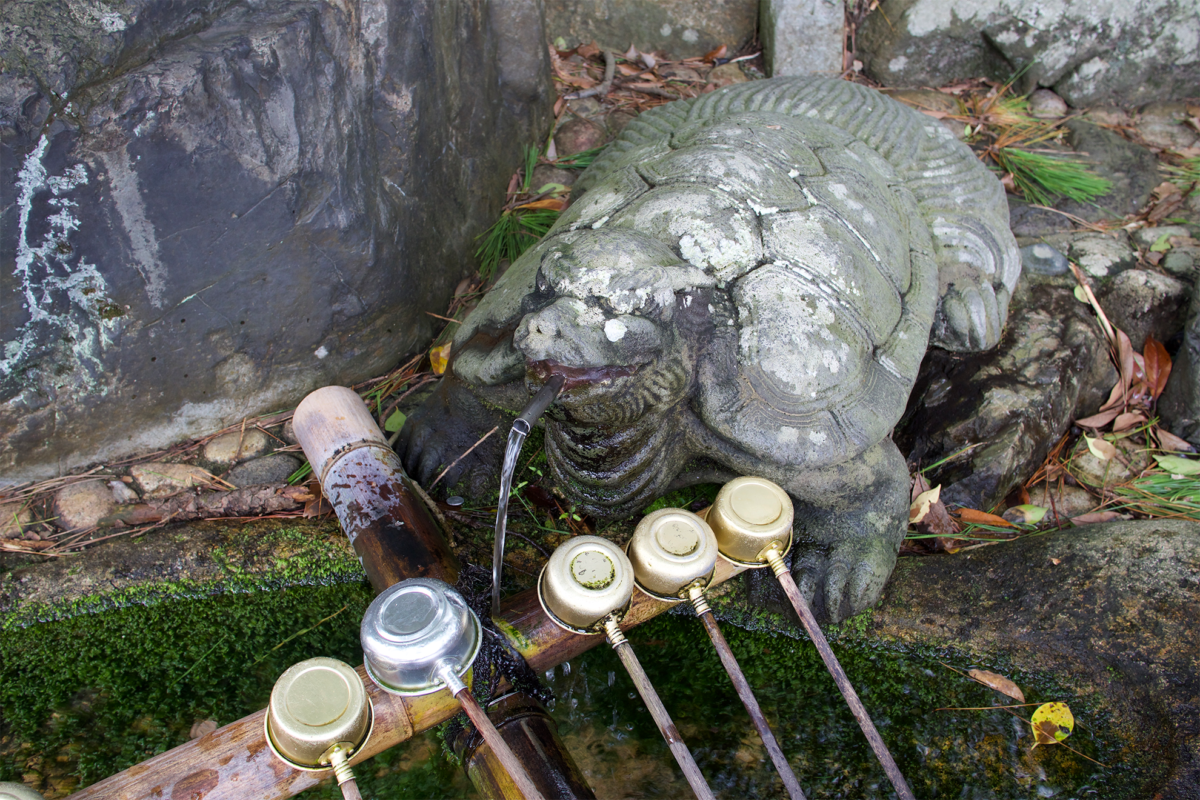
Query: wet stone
pixel 274 468
pixel 1043 259
pixel 1102 255
pixel 229 448
pixel 82 505
pixel 1144 303
pixel 162 479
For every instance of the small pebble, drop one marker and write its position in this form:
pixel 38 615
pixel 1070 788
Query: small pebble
pixel 1045 104
pixel 236 446
pixel 1148 237
pixel 163 479
pixel 268 469
pixel 1042 259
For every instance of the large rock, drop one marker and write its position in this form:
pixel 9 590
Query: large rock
pixel 1002 410
pixel 681 28
pixel 1124 51
pixel 211 208
pixel 1111 609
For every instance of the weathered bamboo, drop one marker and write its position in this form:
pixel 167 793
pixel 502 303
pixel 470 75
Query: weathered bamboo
pixel 531 733
pixel 389 527
pixel 235 763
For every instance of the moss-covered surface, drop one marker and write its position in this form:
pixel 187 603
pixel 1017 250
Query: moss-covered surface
pixel 87 696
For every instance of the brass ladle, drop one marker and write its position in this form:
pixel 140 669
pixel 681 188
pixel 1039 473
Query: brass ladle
pixel 752 520
pixel 585 588
pixel 674 553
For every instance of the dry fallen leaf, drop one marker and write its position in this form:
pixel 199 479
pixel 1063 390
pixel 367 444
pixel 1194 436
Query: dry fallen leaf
pixel 920 506
pixel 999 683
pixel 1101 448
pixel 976 517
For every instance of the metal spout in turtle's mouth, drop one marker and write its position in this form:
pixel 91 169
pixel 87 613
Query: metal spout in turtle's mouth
pixel 574 377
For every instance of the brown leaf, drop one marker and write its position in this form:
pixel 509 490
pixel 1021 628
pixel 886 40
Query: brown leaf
pixel 1169 441
pixel 1097 516
pixel 973 516
pixel 1044 732
pixel 713 55
pixel 589 50
pixel 999 683
pixel 1099 420
pixel 1125 362
pixel 1124 422
pixel 1158 366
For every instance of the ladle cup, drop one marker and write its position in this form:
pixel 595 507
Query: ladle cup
pixel 318 717
pixel 674 554
pixel 752 520
pixel 418 637
pixel 585 588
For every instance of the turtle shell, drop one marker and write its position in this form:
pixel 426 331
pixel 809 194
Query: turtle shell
pixel 831 291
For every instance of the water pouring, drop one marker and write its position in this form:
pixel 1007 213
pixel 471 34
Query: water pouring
pixel 752 520
pixel 516 437
pixel 586 588
pixel 420 637
pixel 674 556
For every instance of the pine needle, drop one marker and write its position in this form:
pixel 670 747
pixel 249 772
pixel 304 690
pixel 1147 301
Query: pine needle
pixel 1042 178
pixel 515 232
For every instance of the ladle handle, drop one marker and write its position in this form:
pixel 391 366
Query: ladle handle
pixel 657 710
pixel 839 675
pixel 748 700
pixel 483 723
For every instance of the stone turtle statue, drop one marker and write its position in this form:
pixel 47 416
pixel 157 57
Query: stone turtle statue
pixel 745 283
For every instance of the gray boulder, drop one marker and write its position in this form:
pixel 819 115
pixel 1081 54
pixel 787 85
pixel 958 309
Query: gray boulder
pixel 210 209
pixel 1088 52
pixel 1008 406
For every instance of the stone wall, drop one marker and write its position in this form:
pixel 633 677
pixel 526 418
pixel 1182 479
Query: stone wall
pixel 1088 51
pixel 209 209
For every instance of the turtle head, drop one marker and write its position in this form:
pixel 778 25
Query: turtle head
pixel 605 315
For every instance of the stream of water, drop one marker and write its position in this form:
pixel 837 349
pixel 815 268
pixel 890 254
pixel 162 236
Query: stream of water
pixel 516 437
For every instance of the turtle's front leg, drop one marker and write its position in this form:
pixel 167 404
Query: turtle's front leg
pixel 850 520
pixel 447 425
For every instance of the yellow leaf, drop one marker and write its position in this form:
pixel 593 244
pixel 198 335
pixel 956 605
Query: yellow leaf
pixel 920 505
pixel 438 357
pixel 1052 723
pixel 999 683
pixel 1101 449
